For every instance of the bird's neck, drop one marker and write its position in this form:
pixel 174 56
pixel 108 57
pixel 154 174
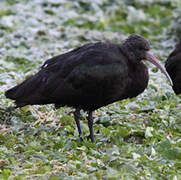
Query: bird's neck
pixel 139 77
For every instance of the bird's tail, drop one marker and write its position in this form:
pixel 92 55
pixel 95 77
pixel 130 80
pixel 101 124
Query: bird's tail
pixel 27 92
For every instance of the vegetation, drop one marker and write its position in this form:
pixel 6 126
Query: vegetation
pixel 136 138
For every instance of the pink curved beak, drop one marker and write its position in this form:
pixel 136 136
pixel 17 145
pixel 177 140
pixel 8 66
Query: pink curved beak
pixel 154 61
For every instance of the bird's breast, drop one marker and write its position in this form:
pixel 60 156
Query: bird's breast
pixel 138 80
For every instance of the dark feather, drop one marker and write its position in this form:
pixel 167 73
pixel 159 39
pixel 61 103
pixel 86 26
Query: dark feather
pixel 87 78
pixel 173 67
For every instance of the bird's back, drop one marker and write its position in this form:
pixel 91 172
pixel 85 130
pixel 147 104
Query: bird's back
pixel 173 67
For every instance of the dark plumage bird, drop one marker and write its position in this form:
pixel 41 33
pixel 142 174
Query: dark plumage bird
pixel 89 77
pixel 173 67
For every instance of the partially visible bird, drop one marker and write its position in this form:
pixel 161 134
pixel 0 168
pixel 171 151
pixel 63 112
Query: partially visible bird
pixel 89 77
pixel 173 67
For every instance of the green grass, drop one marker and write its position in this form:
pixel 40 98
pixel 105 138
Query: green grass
pixel 137 138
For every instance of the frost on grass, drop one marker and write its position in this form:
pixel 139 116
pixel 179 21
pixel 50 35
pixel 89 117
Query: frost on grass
pixel 136 138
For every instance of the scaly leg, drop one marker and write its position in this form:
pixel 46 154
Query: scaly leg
pixel 90 124
pixel 77 120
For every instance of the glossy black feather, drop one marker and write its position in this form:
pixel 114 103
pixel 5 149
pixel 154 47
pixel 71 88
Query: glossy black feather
pixel 87 78
pixel 173 67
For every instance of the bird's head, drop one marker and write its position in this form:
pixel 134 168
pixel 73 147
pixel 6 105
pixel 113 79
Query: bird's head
pixel 137 49
pixel 137 46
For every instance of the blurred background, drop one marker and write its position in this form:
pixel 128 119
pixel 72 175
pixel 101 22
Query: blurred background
pixel 136 138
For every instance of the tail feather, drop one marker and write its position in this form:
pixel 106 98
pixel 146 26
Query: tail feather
pixel 11 93
pixel 27 92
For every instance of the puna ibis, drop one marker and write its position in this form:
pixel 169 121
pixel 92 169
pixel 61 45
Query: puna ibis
pixel 89 77
pixel 173 67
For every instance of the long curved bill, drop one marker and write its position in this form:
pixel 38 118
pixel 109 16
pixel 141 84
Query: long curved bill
pixel 154 61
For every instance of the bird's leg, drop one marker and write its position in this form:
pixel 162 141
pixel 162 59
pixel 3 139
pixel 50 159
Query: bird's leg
pixel 90 124
pixel 77 120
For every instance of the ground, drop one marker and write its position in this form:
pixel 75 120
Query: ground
pixel 137 138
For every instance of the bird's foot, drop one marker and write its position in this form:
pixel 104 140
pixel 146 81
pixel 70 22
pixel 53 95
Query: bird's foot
pixel 91 138
pixel 81 138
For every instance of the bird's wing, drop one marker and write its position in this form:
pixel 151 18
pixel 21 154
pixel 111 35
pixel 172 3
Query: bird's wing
pixel 65 60
pixel 96 75
pixel 86 70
